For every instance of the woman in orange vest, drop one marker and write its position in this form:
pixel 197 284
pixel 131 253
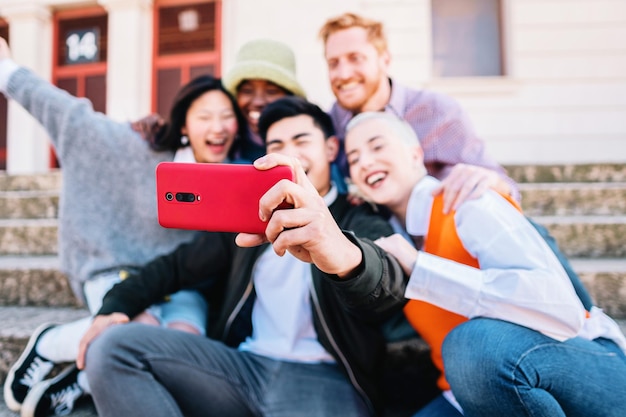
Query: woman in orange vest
pixel 505 326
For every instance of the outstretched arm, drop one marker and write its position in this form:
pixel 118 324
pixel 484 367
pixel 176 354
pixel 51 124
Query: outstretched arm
pixel 7 66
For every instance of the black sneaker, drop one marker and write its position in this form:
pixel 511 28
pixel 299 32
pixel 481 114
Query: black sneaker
pixel 29 369
pixel 55 396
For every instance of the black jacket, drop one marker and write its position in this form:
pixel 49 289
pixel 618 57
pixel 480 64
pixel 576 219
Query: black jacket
pixel 347 312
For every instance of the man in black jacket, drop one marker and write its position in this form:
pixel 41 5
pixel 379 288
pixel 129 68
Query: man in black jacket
pixel 296 329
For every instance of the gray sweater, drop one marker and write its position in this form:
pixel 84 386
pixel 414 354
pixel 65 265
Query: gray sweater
pixel 107 213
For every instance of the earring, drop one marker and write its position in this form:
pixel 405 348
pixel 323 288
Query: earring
pixel 184 140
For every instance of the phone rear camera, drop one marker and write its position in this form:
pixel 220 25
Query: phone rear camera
pixel 186 197
pixel 169 196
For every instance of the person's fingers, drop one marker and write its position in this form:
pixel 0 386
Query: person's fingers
pixel 455 196
pixel 478 191
pixel 274 159
pixel 248 240
pixel 99 324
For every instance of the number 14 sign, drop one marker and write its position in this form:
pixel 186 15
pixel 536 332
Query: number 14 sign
pixel 82 46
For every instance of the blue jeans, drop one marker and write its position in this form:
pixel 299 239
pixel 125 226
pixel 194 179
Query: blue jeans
pixel 138 370
pixel 186 306
pixel 439 407
pixel 496 368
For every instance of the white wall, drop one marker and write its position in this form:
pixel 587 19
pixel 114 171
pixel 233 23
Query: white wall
pixel 564 100
pixel 569 57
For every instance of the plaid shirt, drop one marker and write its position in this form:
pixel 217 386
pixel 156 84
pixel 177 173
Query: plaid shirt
pixel 442 126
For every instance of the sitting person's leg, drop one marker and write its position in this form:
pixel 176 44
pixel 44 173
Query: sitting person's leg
pixel 50 345
pixel 499 368
pixel 185 310
pixel 165 373
pixel 439 407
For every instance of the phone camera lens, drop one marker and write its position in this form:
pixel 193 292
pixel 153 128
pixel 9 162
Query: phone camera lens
pixel 169 196
pixel 186 197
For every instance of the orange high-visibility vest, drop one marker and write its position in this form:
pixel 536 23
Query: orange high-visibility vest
pixel 431 322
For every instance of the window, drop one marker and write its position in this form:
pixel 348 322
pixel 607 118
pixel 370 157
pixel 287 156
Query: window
pixel 80 56
pixel 187 44
pixel 467 38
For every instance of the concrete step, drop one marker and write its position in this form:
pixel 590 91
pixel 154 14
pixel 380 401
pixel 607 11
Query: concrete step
pixel 606 281
pixel 538 199
pixel 44 181
pixel 595 236
pixel 588 236
pixel 567 199
pixel 34 281
pixel 568 173
pixel 28 236
pixel 40 204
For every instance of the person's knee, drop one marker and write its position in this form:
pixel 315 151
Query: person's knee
pixel 104 349
pixel 471 350
pixel 463 341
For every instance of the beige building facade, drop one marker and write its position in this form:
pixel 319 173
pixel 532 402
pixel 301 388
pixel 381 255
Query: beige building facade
pixel 546 86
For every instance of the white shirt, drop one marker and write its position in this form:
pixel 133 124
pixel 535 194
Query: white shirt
pixel 282 318
pixel 184 154
pixel 520 280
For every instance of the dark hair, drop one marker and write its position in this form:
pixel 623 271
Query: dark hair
pixel 168 137
pixel 293 106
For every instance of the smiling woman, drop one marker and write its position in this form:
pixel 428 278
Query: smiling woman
pixel 205 124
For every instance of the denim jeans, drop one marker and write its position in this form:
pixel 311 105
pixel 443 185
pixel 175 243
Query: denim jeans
pixel 496 368
pixel 439 407
pixel 138 370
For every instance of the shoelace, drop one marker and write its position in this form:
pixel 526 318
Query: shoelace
pixel 62 402
pixel 36 372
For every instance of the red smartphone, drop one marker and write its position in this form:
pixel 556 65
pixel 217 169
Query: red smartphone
pixel 214 197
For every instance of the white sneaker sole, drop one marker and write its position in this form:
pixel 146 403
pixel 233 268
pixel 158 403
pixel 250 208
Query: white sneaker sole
pixel 37 391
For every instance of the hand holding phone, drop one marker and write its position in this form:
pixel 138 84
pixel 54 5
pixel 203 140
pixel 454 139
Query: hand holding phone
pixel 214 197
pixel 308 231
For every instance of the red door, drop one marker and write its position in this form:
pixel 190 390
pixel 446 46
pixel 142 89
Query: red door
pixel 4 33
pixel 80 56
pixel 187 43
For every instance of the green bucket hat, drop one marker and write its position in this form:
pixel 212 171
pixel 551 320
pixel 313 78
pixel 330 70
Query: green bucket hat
pixel 264 59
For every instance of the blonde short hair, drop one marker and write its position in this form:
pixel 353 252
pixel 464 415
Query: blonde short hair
pixel 404 130
pixel 375 32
